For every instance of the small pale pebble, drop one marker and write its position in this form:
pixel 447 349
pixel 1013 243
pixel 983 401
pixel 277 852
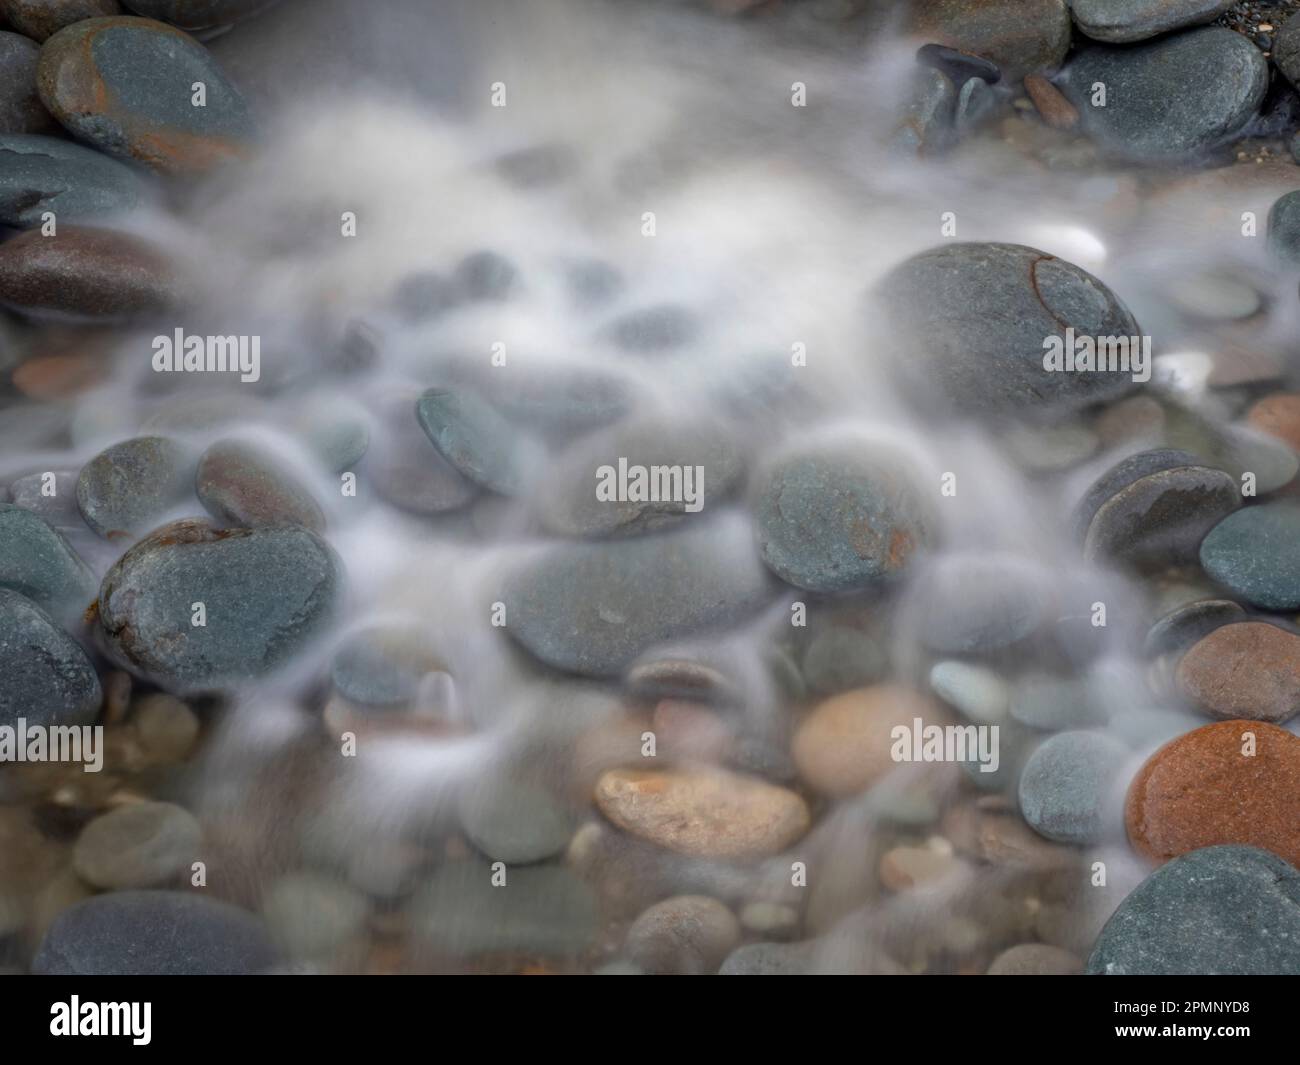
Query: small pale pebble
pixel 166 727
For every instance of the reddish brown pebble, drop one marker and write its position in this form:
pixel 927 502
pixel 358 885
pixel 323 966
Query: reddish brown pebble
pixel 1055 109
pixel 1279 416
pixel 48 377
pixel 1230 782
pixel 1248 670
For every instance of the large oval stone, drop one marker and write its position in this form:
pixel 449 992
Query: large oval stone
pixel 970 320
pixel 1256 554
pixel 163 933
pixel 839 518
pixel 38 562
pixel 1119 21
pixel 45 676
pixel 39 174
pixel 85 273
pixel 267 594
pixel 1064 787
pixel 703 812
pixel 1247 670
pixel 1230 782
pixel 1171 98
pixel 125 85
pixel 1233 911
pixel 593 608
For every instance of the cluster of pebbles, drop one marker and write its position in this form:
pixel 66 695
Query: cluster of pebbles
pixel 655 738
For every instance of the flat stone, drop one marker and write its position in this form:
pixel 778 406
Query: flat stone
pixel 45 676
pixel 1255 553
pixel 838 519
pixel 926 126
pixel 21 110
pixel 1247 670
pixel 977 693
pixel 969 320
pixel 41 174
pixel 38 19
pixel 120 934
pixel 688 935
pixel 1120 21
pixel 54 500
pixel 1232 911
pixel 1202 789
pixel 38 562
pixel 595 608
pixel 240 483
pixel 1065 786
pixel 267 592
pixel 1183 626
pixel 843 746
pixel 703 812
pixel 542 910
pixel 1216 77
pixel 1020 36
pixel 125 85
pixel 478 440
pixel 1035 959
pixel 128 488
pixel 406 471
pixel 84 274
pixel 138 845
pixel 568 502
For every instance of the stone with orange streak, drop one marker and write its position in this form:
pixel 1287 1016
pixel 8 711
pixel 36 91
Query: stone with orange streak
pixel 127 86
pixel 1278 415
pixel 843 746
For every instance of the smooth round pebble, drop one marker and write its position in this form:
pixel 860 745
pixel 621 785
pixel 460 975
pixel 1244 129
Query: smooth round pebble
pixel 1245 670
pixel 138 845
pixel 242 484
pixel 1065 786
pixel 1035 959
pixel 45 676
pixel 128 488
pixel 1255 554
pixel 688 935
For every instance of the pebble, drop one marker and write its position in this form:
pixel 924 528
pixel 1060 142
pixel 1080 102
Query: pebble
pixel 139 845
pixel 843 746
pixel 568 502
pixel 515 820
pixel 1141 80
pixel 835 519
pixel 128 488
pixel 382 666
pixel 1065 786
pixel 121 934
pixel 1286 50
pixel 43 174
pixel 1202 788
pixel 555 398
pixel 1255 553
pixel 125 85
pixel 968 603
pixel 689 935
pixel 165 727
pixel 39 563
pixel 1035 959
pixel 702 811
pixel 1051 103
pixel 243 484
pixel 769 959
pixel 424 296
pixel 1229 911
pixel 978 694
pixel 84 273
pixel 1278 415
pixel 595 608
pixel 669 676
pixel 38 19
pixel 267 593
pixel 478 440
pixel 969 320
pixel 406 472
pixel 903 868
pixel 839 658
pixel 195 16
pixel 1214 296
pixel 1019 36
pixel 311 915
pixel 1284 229
pixel 21 110
pixel 1247 670
pixel 1003 839
pixel 1121 21
pixel 1154 508
pixel 45 676
pixel 976 103
pixel 773 919
pixel 542 909
pixel 1183 626
pixel 926 127
pixel 54 500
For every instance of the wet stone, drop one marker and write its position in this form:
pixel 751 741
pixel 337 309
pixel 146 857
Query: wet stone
pixel 477 440
pixel 515 821
pixel 45 676
pixel 267 594
pixel 242 484
pixel 125 84
pixel 21 110
pixel 689 935
pixel 926 127
pixel 38 562
pixel 1065 786
pixel 1020 36
pixel 84 274
pixel 1255 553
pixel 138 845
pixel 978 694
pixel 128 488
pixel 424 296
pixel 54 500
pixel 1182 627
pixel 117 935
pixel 38 19
pixel 406 471
pixel 769 959
pixel 198 15
pixel 382 666
pixel 1218 911
pixel 41 174
pixel 1119 21
pixel 969 319
pixel 1245 670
